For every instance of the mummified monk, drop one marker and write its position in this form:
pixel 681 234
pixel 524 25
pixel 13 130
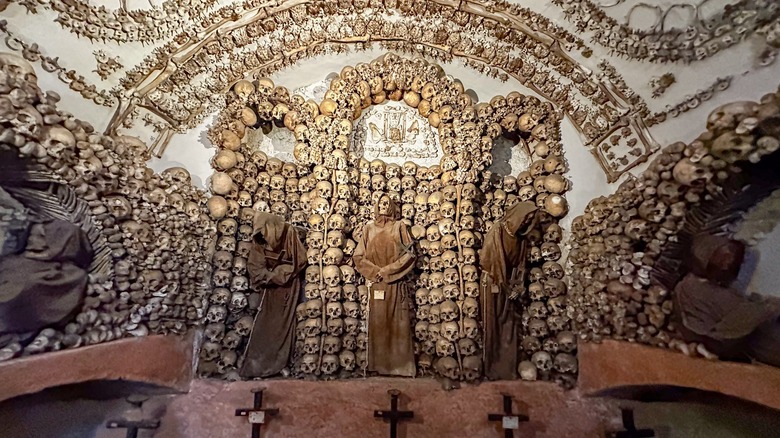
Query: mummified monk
pixel 728 323
pixel 502 259
pixel 275 263
pixel 384 256
pixel 45 284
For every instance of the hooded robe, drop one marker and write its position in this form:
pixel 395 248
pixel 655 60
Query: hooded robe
pixel 276 260
pixel 729 324
pixel 46 283
pixel 504 250
pixel 385 248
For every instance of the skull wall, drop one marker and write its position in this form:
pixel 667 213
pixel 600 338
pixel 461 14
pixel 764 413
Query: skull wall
pixel 149 231
pixel 331 192
pixel 616 263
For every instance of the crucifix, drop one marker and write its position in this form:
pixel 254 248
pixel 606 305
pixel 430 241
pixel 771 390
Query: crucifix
pixel 133 426
pixel 394 415
pixel 509 421
pixel 631 430
pixel 257 414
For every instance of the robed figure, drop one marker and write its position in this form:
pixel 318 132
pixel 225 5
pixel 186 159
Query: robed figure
pixel 384 256
pixel 45 284
pixel 503 260
pixel 710 310
pixel 275 263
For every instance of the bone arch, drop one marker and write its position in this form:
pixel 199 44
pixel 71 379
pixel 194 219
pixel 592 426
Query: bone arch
pixel 332 291
pixel 97 22
pixel 610 99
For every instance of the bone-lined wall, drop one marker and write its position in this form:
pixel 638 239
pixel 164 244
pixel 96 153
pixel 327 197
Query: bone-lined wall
pixel 150 232
pixel 449 206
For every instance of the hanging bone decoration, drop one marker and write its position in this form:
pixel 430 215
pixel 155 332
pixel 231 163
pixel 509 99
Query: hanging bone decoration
pixel 151 266
pixel 616 267
pixel 448 206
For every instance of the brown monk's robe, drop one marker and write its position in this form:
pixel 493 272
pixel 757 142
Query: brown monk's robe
pixel 386 248
pixel 45 284
pixel 279 282
pixel 728 323
pixel 504 250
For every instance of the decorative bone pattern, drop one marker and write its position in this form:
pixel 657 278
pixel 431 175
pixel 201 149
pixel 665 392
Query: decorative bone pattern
pixel 617 270
pixel 150 233
pixel 446 205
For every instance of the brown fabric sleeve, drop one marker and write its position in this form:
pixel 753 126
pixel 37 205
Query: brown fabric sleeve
pixel 294 251
pixel 256 267
pixel 399 268
pixel 364 266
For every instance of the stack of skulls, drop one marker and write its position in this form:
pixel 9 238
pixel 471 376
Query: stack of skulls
pixel 617 244
pixel 446 331
pixel 148 231
pixel 445 197
pixel 245 181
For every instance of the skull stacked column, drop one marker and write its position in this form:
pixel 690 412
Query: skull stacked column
pixel 332 190
pixel 247 181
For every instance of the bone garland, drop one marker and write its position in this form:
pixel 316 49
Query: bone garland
pixel 690 102
pixel 71 78
pixel 135 288
pixel 703 38
pixel 613 294
pixel 98 23
pixel 106 64
pixel 268 64
pixel 447 318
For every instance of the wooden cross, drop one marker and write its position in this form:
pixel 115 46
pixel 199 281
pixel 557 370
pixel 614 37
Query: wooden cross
pixel 509 421
pixel 394 415
pixel 631 430
pixel 257 414
pixel 132 426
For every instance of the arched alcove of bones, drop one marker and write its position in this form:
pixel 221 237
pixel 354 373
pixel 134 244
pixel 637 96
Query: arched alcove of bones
pixel 626 248
pixel 150 231
pixel 330 190
pixel 499 43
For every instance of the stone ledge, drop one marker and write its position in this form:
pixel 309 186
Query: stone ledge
pixel 613 364
pixel 159 360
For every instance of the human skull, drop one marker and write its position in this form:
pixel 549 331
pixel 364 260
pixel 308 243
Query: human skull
pixel 310 363
pixel 222 260
pixel 542 360
pixel 554 287
pixel 221 278
pixel 471 289
pixel 334 309
pixel 335 326
pixel 231 340
pixel 331 275
pixel 471 328
pixel 448 367
pixel 537 328
pixel 216 313
pixel 527 370
pixel 347 360
pixel 565 363
pixel 209 351
pixel 553 269
pixel 214 332
pixel 313 274
pixel 470 273
pixel 450 330
pixel 551 251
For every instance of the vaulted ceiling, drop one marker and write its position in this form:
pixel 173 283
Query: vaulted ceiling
pixel 158 70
